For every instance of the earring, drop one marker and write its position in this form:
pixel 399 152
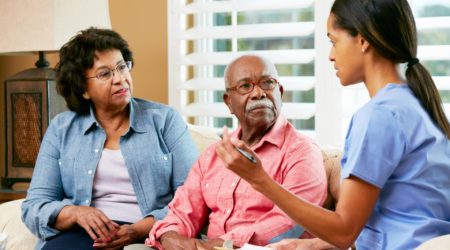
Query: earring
pixel 363 50
pixel 86 95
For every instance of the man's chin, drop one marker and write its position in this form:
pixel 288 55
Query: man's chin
pixel 262 119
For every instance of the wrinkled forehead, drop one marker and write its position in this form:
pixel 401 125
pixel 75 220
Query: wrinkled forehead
pixel 251 67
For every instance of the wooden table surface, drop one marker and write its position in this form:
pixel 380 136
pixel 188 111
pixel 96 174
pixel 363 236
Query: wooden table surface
pixel 7 194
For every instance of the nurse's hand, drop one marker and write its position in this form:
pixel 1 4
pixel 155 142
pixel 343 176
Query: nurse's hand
pixel 236 162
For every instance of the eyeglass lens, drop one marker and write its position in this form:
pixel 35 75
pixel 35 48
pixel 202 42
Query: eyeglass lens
pixel 265 84
pixel 107 74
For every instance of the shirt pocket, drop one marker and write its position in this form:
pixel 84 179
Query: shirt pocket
pixel 212 193
pixel 66 168
pixel 370 239
pixel 161 167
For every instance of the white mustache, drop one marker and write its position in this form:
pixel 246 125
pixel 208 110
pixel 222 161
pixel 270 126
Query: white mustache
pixel 259 103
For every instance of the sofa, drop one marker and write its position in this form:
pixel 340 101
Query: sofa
pixel 20 238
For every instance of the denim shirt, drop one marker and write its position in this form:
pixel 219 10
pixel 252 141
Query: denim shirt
pixel 158 152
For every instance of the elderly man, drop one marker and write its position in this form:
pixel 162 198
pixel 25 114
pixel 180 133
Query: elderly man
pixel 214 196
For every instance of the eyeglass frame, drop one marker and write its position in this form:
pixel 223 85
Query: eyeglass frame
pixel 127 69
pixel 236 88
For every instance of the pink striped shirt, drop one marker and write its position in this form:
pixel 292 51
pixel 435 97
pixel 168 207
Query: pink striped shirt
pixel 234 210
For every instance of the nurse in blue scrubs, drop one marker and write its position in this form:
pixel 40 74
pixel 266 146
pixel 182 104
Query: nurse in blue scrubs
pixel 395 191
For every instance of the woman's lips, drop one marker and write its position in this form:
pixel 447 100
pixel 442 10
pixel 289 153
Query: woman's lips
pixel 121 91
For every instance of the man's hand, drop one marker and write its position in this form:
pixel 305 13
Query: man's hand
pixel 209 244
pixel 174 241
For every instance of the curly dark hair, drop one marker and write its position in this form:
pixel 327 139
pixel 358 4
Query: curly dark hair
pixel 76 56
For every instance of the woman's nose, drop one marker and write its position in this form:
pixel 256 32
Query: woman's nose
pixel 117 77
pixel 331 55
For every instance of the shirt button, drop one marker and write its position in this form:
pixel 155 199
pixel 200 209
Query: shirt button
pixel 90 172
pixel 87 201
pixel 96 150
pixel 233 184
pixel 59 162
pixel 207 185
pixel 165 158
pixel 228 211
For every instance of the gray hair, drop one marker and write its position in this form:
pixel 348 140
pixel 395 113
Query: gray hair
pixel 266 61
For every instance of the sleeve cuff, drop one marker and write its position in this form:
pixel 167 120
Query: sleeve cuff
pixel 159 214
pixel 152 242
pixel 53 210
pixel 153 239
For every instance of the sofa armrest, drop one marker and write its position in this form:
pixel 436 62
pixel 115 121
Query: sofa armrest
pixel 19 237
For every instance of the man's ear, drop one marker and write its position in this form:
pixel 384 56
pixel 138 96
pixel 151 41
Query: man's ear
pixel 86 95
pixel 281 89
pixel 227 101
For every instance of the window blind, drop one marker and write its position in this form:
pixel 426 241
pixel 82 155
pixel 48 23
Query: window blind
pixel 205 35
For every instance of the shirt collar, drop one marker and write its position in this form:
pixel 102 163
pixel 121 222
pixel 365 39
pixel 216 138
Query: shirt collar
pixel 274 136
pixel 137 121
pixel 137 124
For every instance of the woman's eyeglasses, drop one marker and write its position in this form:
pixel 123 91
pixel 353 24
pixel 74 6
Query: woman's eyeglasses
pixel 107 74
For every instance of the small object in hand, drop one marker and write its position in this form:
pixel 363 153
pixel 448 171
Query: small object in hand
pixel 227 245
pixel 203 237
pixel 244 153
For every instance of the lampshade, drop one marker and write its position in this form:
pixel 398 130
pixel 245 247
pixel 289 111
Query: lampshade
pixel 30 96
pixel 45 25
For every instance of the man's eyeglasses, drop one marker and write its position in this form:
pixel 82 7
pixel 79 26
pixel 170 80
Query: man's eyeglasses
pixel 245 87
pixel 106 74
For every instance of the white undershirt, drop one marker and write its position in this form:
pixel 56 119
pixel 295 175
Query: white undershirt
pixel 112 191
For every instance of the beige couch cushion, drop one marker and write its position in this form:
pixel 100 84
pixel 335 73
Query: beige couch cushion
pixel 19 237
pixel 438 243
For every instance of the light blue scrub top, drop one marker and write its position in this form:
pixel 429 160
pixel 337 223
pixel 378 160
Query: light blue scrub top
pixel 393 144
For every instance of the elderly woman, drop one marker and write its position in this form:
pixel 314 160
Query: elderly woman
pixel 107 168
